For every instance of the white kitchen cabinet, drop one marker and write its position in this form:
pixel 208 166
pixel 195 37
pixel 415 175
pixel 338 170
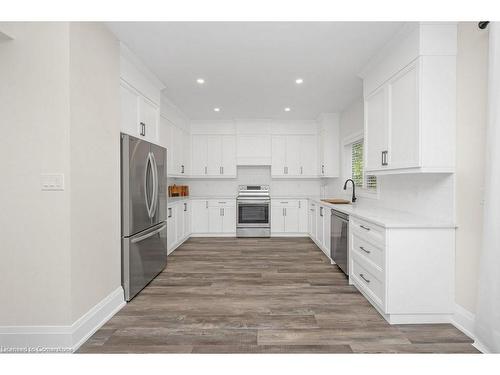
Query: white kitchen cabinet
pixel 404 119
pixel 253 149
pixel 213 156
pixel 376 130
pixel 228 160
pixel 213 216
pixel 382 265
pixel 410 104
pixel 288 216
pixel 171 229
pixel 179 155
pixel 178 224
pixel 139 116
pixel 228 219
pixel 328 145
pixel 303 216
pixel 312 220
pixel 294 156
pixel 320 225
pixel 199 216
pixel 199 154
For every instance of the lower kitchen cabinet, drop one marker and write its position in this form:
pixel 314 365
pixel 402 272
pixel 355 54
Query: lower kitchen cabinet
pixel 178 224
pixel 319 224
pixel 211 216
pixel 407 274
pixel 288 216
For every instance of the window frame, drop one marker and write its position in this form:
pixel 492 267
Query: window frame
pixel 347 143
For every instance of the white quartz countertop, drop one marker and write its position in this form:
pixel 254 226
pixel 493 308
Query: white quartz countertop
pixel 386 217
pixel 380 216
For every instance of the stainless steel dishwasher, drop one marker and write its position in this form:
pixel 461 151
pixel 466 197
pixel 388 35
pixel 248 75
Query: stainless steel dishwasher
pixel 339 240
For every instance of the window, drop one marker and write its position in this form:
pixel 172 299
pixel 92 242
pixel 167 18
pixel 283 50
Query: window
pixel 361 180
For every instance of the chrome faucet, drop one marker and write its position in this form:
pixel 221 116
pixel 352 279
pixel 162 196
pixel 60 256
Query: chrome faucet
pixel 353 189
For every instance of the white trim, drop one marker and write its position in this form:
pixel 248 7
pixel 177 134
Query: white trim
pixel 67 337
pixel 96 317
pixel 353 137
pixel 464 320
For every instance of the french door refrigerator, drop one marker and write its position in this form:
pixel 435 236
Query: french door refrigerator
pixel 144 226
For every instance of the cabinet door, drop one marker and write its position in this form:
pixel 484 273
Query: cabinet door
pixel 303 216
pixel 187 218
pixel 319 225
pixel 228 143
pixel 186 153
pixel 199 216
pixel 308 155
pixel 376 128
pixel 148 115
pixel 214 219
pixel 404 151
pixel 278 155
pixel 326 229
pixel 277 219
pixel 312 226
pixel 228 219
pixel 129 113
pixel 176 147
pixel 291 219
pixel 171 228
pixel 199 155
pixel 293 154
pixel 214 157
pixel 179 221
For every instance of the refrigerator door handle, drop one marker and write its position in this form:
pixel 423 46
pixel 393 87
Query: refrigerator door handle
pixel 147 235
pixel 147 169
pixel 154 203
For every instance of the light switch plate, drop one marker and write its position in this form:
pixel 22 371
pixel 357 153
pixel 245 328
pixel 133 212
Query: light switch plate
pixel 52 182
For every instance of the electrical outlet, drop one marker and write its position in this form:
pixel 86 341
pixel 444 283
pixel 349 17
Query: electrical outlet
pixel 52 182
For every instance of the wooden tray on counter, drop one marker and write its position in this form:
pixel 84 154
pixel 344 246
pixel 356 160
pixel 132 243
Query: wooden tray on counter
pixel 336 201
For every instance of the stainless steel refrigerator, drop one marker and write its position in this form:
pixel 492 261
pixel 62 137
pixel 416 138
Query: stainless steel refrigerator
pixel 144 226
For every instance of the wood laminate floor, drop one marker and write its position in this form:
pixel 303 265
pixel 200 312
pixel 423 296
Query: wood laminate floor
pixel 278 295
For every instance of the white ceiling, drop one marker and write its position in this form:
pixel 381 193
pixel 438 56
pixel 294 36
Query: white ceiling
pixel 250 67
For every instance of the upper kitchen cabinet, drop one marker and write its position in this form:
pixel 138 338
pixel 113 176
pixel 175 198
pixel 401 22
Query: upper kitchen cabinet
pixel 178 149
pixel 410 102
pixel 328 145
pixel 253 142
pixel 140 98
pixel 294 156
pixel 213 155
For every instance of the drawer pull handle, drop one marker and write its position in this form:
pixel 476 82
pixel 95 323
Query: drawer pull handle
pixel 364 278
pixel 366 251
pixel 365 228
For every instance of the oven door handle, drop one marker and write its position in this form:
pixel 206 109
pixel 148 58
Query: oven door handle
pixel 253 201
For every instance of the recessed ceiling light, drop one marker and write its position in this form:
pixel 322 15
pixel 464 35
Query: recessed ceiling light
pixel 216 109
pixel 299 81
pixel 200 81
pixel 287 109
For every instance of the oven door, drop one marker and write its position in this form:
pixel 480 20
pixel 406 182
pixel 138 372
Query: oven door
pixel 253 213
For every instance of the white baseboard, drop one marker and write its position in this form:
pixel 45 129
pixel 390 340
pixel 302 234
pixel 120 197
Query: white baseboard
pixel 96 317
pixel 464 321
pixel 40 339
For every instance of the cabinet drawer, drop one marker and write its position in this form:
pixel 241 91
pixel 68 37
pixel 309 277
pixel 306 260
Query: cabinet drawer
pixel 366 280
pixel 221 202
pixel 368 231
pixel 368 250
pixel 286 203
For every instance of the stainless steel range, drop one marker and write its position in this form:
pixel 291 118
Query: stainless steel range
pixel 253 205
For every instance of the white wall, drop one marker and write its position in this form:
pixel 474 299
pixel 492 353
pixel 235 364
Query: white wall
pixel 59 102
pixel 95 165
pixel 34 225
pixel 472 81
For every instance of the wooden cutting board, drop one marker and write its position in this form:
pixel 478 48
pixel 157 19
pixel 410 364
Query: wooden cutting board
pixel 336 201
